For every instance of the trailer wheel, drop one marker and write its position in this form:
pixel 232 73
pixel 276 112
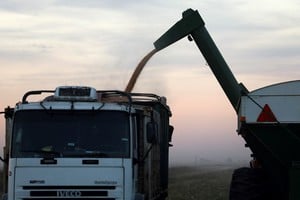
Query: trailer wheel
pixel 249 184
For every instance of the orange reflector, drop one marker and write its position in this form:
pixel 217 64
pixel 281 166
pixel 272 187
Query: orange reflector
pixel 242 119
pixel 266 115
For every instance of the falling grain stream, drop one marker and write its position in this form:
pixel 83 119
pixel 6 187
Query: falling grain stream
pixel 138 70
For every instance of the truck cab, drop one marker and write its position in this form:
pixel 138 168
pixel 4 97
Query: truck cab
pixel 83 143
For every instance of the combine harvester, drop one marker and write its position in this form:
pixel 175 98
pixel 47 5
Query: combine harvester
pixel 268 120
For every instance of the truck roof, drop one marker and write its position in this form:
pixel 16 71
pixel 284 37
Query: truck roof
pixel 82 97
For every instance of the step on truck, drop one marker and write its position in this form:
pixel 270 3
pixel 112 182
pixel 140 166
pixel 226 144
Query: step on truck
pixel 268 120
pixel 81 143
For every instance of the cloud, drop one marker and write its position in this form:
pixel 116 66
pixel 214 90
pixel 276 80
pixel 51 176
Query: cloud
pixel 90 34
pixel 20 6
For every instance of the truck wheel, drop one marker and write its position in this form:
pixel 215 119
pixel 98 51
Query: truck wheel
pixel 4 196
pixel 249 184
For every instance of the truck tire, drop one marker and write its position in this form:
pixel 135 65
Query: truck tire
pixel 249 184
pixel 4 196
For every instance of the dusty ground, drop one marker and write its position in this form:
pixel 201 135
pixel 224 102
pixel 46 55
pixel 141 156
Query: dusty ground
pixel 196 183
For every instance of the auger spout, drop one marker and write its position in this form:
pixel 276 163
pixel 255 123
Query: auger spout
pixel 193 25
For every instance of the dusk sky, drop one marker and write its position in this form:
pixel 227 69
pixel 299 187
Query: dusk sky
pixel 49 43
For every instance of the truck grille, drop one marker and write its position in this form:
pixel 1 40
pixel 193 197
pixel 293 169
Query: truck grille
pixel 69 192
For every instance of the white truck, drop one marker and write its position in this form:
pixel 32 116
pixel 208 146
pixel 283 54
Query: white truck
pixel 81 143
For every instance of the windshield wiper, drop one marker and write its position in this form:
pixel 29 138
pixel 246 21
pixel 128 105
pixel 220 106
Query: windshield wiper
pixel 81 154
pixel 96 154
pixel 45 153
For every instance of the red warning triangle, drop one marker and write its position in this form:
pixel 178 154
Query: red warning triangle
pixel 266 115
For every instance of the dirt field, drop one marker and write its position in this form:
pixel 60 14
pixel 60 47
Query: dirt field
pixel 196 183
pixel 190 183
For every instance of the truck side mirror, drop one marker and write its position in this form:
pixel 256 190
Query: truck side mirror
pixel 171 129
pixel 3 160
pixel 170 133
pixel 152 132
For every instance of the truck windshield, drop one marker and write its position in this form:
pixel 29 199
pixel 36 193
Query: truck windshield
pixel 71 134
